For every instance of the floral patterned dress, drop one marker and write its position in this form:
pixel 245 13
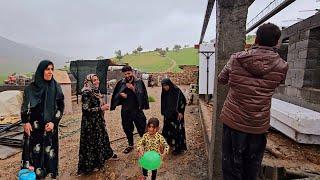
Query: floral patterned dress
pixel 94 140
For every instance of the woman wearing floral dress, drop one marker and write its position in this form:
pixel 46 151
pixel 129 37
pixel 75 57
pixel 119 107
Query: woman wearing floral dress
pixel 94 140
pixel 173 105
pixel 41 111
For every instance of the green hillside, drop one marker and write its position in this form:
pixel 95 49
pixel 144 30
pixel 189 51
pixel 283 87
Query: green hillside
pixel 153 62
pixel 2 78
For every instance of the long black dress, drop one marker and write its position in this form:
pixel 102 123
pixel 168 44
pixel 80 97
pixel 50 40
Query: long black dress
pixel 172 103
pixel 43 102
pixel 94 140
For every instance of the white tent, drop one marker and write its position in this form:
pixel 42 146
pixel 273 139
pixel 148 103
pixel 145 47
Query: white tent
pixel 10 103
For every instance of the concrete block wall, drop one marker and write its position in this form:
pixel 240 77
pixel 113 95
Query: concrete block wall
pixel 302 85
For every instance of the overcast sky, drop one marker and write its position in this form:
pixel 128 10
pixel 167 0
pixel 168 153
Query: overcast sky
pixel 90 28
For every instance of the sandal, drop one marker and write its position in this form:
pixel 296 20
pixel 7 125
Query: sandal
pixel 114 157
pixel 128 149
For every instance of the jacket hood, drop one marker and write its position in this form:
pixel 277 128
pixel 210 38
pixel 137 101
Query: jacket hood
pixel 259 60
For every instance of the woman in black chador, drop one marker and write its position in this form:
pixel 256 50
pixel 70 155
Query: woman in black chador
pixel 173 105
pixel 41 111
pixel 94 140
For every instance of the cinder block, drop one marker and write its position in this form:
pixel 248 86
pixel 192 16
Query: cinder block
pixel 291 91
pixel 292 47
pixel 304 35
pixel 311 63
pixel 299 64
pixel 303 54
pixel 313 53
pixel 302 45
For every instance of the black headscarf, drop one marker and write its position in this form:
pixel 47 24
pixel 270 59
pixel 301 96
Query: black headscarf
pixel 43 92
pixel 170 98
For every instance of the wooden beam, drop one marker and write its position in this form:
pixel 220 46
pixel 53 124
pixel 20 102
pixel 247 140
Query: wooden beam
pixel 206 19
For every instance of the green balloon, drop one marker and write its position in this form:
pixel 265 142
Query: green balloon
pixel 150 160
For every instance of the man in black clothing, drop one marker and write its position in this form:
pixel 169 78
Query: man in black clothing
pixel 131 93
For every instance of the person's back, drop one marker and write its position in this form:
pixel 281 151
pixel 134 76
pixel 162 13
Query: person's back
pixel 252 76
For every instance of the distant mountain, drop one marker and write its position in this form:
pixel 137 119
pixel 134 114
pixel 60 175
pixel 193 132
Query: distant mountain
pixel 16 57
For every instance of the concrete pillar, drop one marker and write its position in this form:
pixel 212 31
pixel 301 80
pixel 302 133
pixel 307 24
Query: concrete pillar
pixel 230 37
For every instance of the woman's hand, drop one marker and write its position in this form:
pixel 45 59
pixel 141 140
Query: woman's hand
pixel 105 107
pixel 27 128
pixel 124 95
pixel 49 126
pixel 180 116
pixel 140 153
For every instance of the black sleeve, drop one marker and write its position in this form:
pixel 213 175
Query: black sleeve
pixel 60 104
pixel 182 102
pixel 25 107
pixel 115 98
pixel 145 95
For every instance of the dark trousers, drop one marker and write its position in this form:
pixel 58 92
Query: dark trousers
pixel 154 173
pixel 128 118
pixel 242 154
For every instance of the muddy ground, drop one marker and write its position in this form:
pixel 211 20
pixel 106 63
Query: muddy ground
pixel 190 165
pixel 283 152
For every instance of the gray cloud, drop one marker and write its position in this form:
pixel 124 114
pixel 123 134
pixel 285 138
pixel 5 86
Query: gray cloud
pixel 87 29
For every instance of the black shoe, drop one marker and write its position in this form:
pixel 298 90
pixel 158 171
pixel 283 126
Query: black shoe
pixel 128 149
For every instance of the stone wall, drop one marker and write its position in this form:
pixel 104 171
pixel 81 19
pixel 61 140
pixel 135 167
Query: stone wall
pixel 189 75
pixel 302 85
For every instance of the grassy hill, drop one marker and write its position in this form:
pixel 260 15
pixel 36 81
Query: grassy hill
pixel 153 62
pixel 187 56
pixel 2 78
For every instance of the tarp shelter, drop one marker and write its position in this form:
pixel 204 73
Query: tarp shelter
pixel 81 68
pixel 63 79
pixel 10 104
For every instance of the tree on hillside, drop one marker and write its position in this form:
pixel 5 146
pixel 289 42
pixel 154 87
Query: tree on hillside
pixel 119 55
pixel 186 46
pixel 139 49
pixel 176 47
pixel 157 49
pixel 100 57
pixel 135 52
pixel 162 53
pixel 167 49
